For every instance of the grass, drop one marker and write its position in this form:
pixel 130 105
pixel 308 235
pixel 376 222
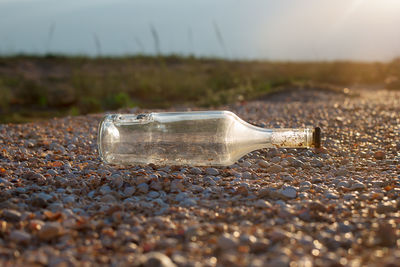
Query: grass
pixel 35 87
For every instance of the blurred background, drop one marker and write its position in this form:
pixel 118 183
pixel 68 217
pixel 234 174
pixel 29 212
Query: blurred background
pixel 75 57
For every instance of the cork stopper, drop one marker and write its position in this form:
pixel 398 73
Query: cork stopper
pixel 317 137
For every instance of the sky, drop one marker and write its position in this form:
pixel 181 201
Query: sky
pixel 366 30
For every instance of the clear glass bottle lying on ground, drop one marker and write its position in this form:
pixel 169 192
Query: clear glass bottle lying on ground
pixel 199 138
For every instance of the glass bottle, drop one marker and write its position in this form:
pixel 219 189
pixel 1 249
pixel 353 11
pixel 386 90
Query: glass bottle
pixel 198 138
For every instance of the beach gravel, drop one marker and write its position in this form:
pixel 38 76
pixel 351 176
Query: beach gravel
pixel 334 206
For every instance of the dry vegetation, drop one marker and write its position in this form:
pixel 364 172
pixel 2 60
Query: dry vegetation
pixel 40 87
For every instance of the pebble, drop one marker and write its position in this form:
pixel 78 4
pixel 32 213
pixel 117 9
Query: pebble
pixel 19 236
pixel 276 159
pixel 208 180
pixel 143 188
pixel 117 181
pixel 189 202
pixel 50 230
pixel 260 246
pixel 288 192
pixel 275 168
pixel 263 164
pixel 286 177
pixel 385 208
pixel 105 189
pixel 157 259
pixel 247 175
pixel 316 180
pixel 129 191
pixel 227 242
pixel 357 186
pixel 247 239
pixel 177 186
pixel 331 195
pixel 262 204
pixel 295 163
pixel 195 171
pixel 52 172
pixel 44 196
pixel 69 199
pixel 11 215
pixel 343 184
pixel 379 155
pixel 153 194
pixel 108 198
pixel 212 171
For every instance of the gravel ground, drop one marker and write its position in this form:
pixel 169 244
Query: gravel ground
pixel 336 206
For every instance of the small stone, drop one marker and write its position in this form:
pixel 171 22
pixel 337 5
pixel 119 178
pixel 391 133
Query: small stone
pixel 56 206
pixel 129 191
pixel 317 163
pixel 212 171
pixel 226 242
pixel 189 202
pixel 379 155
pixel 143 188
pixel 247 175
pixel 305 215
pixel 260 246
pixel 245 164
pixel 50 230
pixel 181 196
pixel 247 239
pixel 276 159
pixel 153 194
pixel 52 172
pixel 11 215
pixel 105 189
pixel 275 168
pixel 316 180
pixel 117 181
pixel 349 197
pixel 342 172
pixel 157 259
pixel 38 202
pixel 295 163
pixel 343 184
pixel 331 195
pixel 177 186
pixel 262 204
pixel 263 164
pixel 156 185
pixel 358 186
pixel 19 236
pixel 4 182
pixel 344 227
pixel 209 181
pixel 286 177
pixel 108 198
pixel 385 207
pixel 33 176
pixel 69 199
pixel 44 196
pixel 288 192
pixel 195 170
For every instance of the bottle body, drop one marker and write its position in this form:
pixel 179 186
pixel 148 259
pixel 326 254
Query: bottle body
pixel 202 138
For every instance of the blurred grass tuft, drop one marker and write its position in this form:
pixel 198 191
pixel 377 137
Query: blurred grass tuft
pixel 34 87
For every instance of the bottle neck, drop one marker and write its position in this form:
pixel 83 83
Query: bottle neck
pixel 292 138
pixel 288 138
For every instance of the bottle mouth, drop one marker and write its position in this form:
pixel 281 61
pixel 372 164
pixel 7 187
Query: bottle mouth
pixel 316 137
